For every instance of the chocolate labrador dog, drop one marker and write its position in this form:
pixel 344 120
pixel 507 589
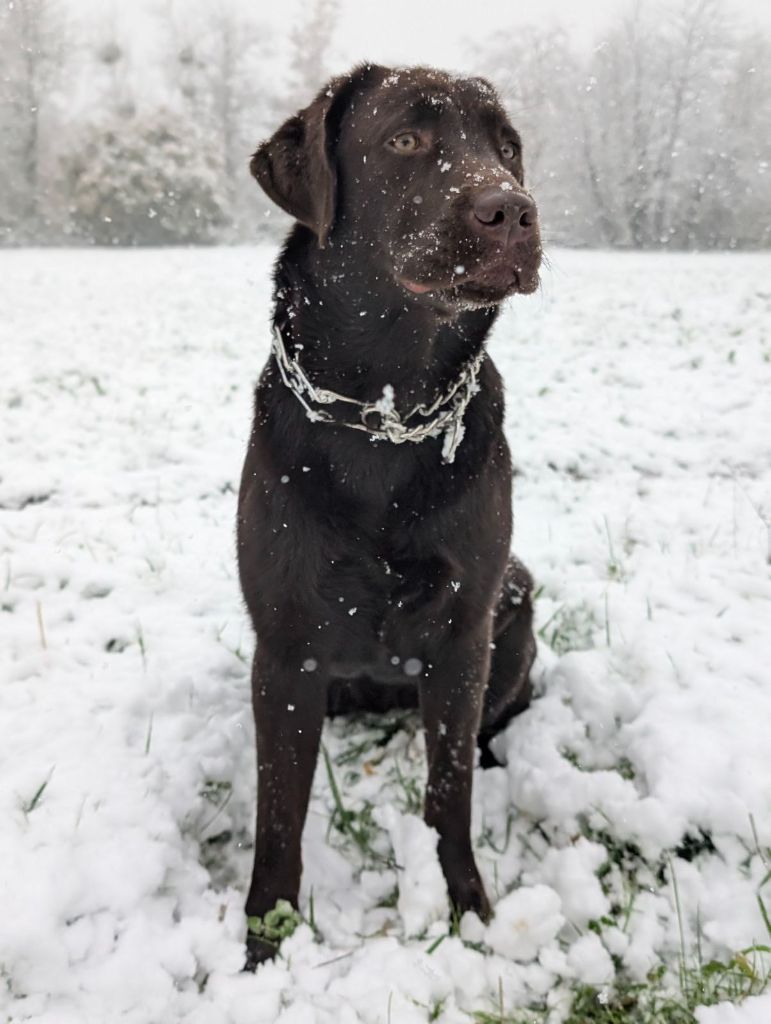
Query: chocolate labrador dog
pixel 374 515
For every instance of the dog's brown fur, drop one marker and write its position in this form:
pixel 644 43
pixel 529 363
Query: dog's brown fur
pixel 361 559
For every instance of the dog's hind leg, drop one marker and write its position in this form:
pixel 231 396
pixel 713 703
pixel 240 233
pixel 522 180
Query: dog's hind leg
pixel 289 707
pixel 509 689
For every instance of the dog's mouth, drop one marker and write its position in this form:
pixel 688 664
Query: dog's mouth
pixel 485 285
pixel 415 287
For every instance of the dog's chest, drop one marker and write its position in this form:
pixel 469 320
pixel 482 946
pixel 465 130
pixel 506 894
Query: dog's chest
pixel 379 479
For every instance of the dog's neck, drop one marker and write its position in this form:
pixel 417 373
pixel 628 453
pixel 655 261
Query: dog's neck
pixel 354 338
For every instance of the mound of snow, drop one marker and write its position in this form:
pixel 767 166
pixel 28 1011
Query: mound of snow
pixel 524 921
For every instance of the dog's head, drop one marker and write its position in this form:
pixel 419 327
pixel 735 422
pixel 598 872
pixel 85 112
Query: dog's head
pixel 417 170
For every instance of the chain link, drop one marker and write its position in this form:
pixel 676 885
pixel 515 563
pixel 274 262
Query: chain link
pixel 394 428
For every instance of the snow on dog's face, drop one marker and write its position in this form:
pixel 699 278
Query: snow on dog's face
pixel 419 171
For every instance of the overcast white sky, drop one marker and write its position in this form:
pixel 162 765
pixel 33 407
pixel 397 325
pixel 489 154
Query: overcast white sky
pixel 440 31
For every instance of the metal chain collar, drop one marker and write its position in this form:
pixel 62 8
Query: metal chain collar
pixel 448 422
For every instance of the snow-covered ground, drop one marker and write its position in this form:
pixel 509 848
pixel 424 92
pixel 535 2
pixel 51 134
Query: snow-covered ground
pixel 639 420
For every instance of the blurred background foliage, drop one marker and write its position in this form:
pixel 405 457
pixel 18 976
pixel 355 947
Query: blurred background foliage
pixel 658 136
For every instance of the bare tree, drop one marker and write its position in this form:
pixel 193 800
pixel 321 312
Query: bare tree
pixel 660 137
pixel 743 166
pixel 538 82
pixel 218 54
pixel 310 41
pixel 240 87
pixel 30 56
pixel 689 54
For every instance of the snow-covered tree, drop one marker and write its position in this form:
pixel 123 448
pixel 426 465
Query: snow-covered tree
pixel 144 181
pixel 648 93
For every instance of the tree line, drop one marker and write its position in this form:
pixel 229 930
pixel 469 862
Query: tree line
pixel 137 131
pixel 660 137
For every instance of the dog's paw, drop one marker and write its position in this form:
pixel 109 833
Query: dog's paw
pixel 471 895
pixel 266 932
pixel 487 759
pixel 258 951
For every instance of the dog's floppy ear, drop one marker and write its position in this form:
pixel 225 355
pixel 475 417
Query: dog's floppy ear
pixel 295 167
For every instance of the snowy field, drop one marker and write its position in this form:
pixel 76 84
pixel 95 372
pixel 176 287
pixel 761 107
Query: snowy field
pixel 632 824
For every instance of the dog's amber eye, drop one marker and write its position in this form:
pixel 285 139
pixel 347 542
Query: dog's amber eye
pixel 405 142
pixel 508 151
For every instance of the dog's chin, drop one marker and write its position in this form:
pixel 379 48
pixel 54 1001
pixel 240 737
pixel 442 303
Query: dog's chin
pixel 487 286
pixel 483 291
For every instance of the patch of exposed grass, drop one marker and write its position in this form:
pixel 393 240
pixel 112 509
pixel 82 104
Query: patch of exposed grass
pixel 235 651
pixel 615 567
pixel 658 1000
pixel 140 638
pixel 622 767
pixel 217 792
pixel 409 789
pixel 672 992
pixel 359 826
pixel 570 628
pixel 28 806
pixel 487 837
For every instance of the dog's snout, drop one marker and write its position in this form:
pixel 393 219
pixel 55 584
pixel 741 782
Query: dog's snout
pixel 508 215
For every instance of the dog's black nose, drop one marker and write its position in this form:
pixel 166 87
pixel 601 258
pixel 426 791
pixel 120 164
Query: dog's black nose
pixel 508 215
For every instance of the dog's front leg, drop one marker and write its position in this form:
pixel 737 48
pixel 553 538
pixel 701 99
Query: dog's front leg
pixel 289 706
pixel 451 696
